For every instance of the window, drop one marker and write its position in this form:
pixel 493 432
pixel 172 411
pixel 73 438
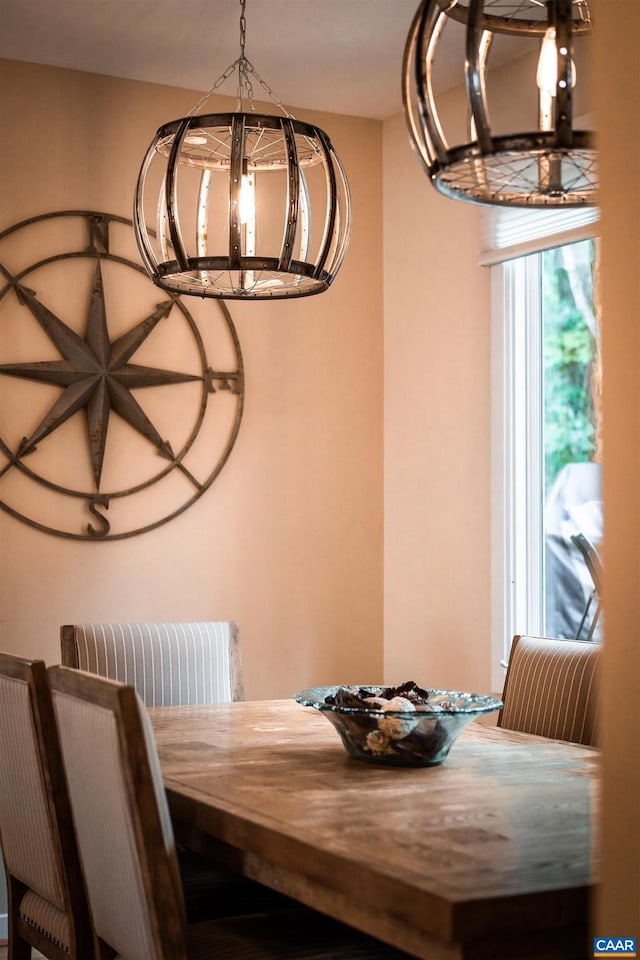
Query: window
pixel 547 474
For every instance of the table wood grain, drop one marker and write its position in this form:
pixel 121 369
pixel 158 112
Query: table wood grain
pixel 489 855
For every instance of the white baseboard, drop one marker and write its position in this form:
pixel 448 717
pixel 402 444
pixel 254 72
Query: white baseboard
pixel 4 926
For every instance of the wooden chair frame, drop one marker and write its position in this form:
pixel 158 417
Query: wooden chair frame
pixel 160 873
pixel 22 935
pixel 593 564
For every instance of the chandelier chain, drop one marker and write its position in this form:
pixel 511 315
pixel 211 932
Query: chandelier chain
pixel 244 82
pixel 243 28
pixel 245 71
pixel 221 79
pixel 275 99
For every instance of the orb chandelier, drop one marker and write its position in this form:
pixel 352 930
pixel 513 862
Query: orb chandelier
pixel 244 205
pixel 551 163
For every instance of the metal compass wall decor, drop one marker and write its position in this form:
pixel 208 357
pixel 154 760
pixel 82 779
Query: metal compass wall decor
pixel 116 412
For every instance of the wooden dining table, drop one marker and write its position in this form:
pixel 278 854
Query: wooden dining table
pixel 489 855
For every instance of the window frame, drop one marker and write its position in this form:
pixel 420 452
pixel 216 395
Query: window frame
pixel 518 587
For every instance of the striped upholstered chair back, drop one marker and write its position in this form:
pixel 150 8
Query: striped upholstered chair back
pixel 167 663
pixel 121 815
pixel 48 906
pixel 552 689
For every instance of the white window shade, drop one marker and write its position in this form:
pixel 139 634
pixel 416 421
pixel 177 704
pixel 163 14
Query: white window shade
pixel 511 232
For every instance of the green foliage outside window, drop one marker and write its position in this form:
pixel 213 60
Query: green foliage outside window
pixel 570 351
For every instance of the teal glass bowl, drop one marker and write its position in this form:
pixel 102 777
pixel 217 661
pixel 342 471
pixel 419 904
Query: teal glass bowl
pixel 418 737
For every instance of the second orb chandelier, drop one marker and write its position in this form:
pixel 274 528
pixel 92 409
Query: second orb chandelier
pixel 549 161
pixel 242 205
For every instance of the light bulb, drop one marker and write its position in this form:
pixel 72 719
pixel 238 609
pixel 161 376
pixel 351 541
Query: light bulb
pixel 247 198
pixel 547 73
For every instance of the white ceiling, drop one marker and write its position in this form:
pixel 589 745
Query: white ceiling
pixel 341 56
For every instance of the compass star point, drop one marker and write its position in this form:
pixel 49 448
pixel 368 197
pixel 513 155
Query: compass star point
pixel 165 307
pixel 165 450
pixel 95 374
pixel 24 448
pixel 24 294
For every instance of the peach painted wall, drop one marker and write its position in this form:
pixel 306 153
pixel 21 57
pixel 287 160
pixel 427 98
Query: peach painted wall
pixel 437 429
pixel 437 420
pixel 288 540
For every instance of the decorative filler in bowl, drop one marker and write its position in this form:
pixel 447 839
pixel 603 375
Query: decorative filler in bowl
pixel 405 726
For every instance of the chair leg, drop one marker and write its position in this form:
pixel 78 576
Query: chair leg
pixel 105 951
pixel 19 948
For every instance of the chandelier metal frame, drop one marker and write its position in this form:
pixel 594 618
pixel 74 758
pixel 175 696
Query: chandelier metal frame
pixel 202 170
pixel 554 165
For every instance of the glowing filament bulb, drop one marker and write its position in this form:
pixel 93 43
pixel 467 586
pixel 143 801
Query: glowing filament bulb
pixel 247 205
pixel 547 73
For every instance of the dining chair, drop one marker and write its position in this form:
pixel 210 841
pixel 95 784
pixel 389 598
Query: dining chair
pixel 128 849
pixel 47 901
pixel 593 564
pixel 167 663
pixel 177 664
pixel 552 689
